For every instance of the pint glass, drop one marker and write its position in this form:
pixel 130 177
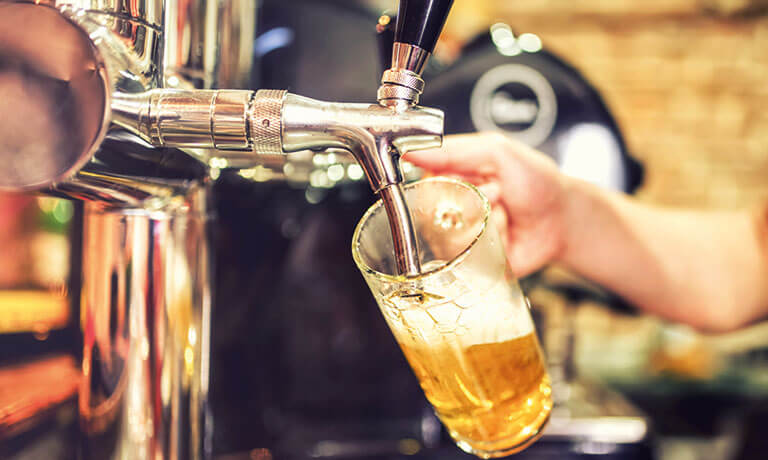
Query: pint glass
pixel 463 323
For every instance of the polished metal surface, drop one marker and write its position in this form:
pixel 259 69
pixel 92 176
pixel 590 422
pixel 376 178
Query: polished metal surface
pixel 404 78
pixel 402 85
pixel 146 323
pixel 146 287
pixel 391 95
pixel 186 44
pixel 109 51
pixel 229 109
pixel 266 121
pixel 237 120
pixel 140 65
pixel 149 12
pixel 186 118
pixel 401 226
pixel 399 93
pixel 374 135
pixel 229 120
pixel 129 45
pixel 275 122
pixel 62 81
pixel 409 57
pixel 53 99
pixel 209 43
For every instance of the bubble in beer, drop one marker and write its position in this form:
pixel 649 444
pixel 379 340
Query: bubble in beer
pixel 393 314
pixel 416 320
pixel 446 316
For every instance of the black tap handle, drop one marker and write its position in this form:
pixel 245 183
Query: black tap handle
pixel 385 36
pixel 419 22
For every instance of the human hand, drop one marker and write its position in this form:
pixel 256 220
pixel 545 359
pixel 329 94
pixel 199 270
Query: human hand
pixel 525 188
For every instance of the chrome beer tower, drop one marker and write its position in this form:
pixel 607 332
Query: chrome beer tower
pixel 111 102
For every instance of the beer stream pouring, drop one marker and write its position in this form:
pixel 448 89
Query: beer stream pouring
pixel 72 72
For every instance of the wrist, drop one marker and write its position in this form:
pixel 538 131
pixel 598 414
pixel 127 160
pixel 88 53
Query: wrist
pixel 584 211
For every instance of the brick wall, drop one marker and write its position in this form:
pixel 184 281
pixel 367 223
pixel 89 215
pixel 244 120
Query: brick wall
pixel 687 80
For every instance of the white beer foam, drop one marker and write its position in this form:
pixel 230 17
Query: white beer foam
pixel 497 315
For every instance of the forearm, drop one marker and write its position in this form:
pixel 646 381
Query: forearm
pixel 707 269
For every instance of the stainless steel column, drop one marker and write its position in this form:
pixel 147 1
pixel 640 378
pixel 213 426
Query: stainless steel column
pixel 146 325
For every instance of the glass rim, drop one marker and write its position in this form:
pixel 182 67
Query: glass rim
pixel 456 260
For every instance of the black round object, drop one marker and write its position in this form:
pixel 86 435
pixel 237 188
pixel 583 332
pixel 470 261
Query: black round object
pixel 536 97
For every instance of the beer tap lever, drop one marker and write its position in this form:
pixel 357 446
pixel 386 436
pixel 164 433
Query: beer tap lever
pixel 419 23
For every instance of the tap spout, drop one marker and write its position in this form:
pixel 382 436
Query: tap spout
pixel 275 122
pixel 375 135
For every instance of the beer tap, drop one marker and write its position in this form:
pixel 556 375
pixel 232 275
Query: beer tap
pixel 129 91
pixel 419 23
pixel 71 72
pixel 249 124
pixel 277 122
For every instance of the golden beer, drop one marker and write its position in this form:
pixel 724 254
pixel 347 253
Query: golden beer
pixel 490 396
pixel 462 322
pixel 480 367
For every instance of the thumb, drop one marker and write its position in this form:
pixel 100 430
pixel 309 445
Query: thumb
pixel 475 154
